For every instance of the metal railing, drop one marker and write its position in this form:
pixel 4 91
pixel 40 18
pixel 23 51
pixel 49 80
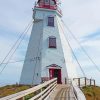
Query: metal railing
pixel 36 93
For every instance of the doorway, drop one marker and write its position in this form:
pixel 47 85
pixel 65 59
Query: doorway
pixel 55 73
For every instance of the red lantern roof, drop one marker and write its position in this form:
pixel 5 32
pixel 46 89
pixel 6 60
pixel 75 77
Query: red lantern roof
pixel 47 4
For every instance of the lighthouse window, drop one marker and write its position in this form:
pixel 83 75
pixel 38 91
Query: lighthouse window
pixel 47 1
pixel 50 21
pixel 52 42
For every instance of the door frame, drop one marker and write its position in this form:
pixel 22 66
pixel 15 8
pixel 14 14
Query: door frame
pixel 51 74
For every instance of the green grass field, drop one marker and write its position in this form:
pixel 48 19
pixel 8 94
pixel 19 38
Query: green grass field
pixel 91 92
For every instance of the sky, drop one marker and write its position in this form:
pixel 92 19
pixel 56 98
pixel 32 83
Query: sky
pixel 81 16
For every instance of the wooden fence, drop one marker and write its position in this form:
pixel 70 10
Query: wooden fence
pixel 39 92
pixel 83 81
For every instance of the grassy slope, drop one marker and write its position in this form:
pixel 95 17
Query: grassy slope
pixel 91 92
pixel 11 89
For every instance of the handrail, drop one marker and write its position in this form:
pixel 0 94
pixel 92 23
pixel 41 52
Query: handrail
pixel 21 95
pixel 83 81
pixel 77 92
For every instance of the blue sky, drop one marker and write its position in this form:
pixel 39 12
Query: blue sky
pixel 81 16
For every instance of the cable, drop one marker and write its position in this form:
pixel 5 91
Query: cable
pixel 12 54
pixel 82 47
pixel 14 45
pixel 31 59
pixel 73 52
pixel 15 50
pixel 14 61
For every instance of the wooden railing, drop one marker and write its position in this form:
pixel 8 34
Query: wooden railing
pixel 83 81
pixel 75 92
pixel 78 94
pixel 36 93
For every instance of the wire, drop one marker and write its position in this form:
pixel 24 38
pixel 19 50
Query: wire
pixel 31 59
pixel 15 49
pixel 14 61
pixel 82 47
pixel 14 45
pixel 73 52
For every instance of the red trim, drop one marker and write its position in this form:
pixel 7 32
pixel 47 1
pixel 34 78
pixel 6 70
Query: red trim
pixel 49 1
pixel 53 71
pixel 47 7
pixel 41 4
pixel 52 42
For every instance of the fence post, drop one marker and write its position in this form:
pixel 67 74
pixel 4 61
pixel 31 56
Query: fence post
pixel 79 82
pixel 94 82
pixel 90 82
pixel 65 81
pixel 85 81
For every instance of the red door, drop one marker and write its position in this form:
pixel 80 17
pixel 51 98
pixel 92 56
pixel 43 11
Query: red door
pixel 55 73
pixel 51 71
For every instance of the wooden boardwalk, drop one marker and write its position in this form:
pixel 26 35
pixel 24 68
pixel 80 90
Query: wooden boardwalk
pixel 62 92
pixel 50 90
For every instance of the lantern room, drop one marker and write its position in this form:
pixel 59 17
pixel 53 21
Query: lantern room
pixel 47 4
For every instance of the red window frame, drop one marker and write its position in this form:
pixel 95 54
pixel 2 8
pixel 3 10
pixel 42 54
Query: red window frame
pixel 51 21
pixel 52 42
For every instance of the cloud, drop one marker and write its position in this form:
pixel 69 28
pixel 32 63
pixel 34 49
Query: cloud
pixel 81 16
pixel 92 37
pixel 12 71
pixel 14 15
pixel 11 74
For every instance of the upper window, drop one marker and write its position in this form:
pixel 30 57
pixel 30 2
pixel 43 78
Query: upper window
pixel 50 21
pixel 46 1
pixel 52 42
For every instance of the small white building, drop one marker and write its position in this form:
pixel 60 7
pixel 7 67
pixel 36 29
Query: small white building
pixel 48 53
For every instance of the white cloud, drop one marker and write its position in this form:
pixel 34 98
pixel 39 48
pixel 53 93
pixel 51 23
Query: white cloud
pixel 15 15
pixel 81 16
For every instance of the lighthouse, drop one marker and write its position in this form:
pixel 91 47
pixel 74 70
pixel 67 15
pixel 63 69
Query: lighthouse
pixel 48 54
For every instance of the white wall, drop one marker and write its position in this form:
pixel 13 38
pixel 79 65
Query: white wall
pixel 38 47
pixel 32 65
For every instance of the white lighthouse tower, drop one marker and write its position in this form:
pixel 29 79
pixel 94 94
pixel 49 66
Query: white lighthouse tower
pixel 48 54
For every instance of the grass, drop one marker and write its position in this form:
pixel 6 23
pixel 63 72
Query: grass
pixel 11 89
pixel 91 92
